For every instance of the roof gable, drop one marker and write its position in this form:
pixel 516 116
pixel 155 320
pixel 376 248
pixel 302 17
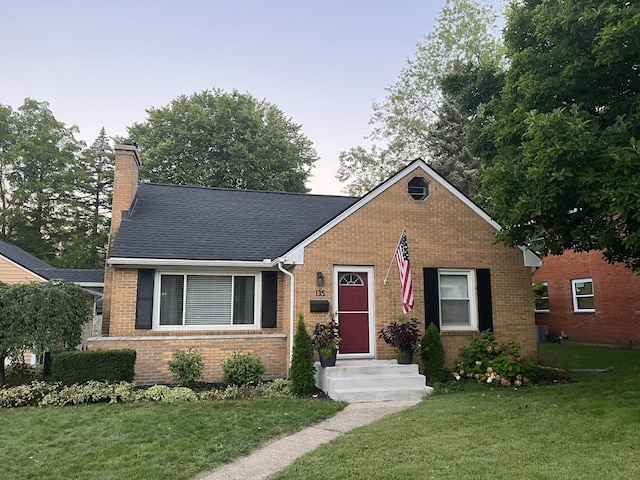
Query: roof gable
pixel 294 253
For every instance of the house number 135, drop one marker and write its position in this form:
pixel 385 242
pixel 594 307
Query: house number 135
pixel 320 293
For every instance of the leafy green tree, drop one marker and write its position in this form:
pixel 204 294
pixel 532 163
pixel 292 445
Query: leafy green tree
pixel 7 140
pixel 415 119
pixel 559 143
pixel 40 316
pixel 220 139
pixel 38 165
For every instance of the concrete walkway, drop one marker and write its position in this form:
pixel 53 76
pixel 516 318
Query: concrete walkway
pixel 281 453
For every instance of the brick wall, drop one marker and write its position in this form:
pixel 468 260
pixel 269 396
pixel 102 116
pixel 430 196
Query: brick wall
pixel 153 353
pixel 616 290
pixel 442 232
pixel 154 348
pixel 125 186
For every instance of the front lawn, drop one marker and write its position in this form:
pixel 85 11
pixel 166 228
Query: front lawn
pixel 144 440
pixel 586 429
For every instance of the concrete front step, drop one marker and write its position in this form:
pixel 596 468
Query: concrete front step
pixel 381 394
pixel 371 381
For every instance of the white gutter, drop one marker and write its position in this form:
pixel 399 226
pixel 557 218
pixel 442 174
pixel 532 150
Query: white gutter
pixel 291 306
pixel 176 262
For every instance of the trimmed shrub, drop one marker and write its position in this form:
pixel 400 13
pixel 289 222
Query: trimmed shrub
pixel 98 365
pixel 186 366
pixel 432 354
pixel 242 369
pixel 302 369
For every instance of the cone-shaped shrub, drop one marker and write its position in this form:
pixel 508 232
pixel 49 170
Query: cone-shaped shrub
pixel 432 354
pixel 302 370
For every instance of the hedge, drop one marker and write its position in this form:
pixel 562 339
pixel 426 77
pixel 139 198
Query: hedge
pixel 99 365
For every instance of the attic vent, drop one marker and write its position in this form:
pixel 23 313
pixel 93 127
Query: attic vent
pixel 418 188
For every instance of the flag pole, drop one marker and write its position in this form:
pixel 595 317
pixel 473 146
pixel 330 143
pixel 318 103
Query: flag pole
pixel 404 229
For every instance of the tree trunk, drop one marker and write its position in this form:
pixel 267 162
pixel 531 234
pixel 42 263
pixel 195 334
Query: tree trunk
pixel 2 376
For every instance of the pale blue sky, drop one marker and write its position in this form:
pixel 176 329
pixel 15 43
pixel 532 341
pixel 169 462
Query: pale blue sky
pixel 102 63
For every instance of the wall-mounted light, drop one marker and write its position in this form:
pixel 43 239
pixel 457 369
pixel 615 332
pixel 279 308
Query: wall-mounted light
pixel 320 279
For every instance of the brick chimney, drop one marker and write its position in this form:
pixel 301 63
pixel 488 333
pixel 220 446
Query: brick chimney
pixel 125 186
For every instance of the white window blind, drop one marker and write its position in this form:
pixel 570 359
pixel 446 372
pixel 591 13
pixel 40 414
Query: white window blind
pixel 208 300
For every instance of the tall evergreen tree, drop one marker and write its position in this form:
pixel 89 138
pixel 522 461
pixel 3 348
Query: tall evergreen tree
pixel 88 234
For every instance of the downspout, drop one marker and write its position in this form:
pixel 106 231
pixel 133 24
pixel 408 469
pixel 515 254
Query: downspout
pixel 291 306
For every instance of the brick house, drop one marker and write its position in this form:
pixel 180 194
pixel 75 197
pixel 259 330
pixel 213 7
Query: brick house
pixel 588 299
pixel 224 270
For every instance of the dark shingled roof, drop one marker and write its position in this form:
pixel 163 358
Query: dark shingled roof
pixel 22 258
pixel 195 223
pixel 77 275
pixel 46 271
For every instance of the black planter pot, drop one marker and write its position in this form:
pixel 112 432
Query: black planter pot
pixel 329 361
pixel 405 357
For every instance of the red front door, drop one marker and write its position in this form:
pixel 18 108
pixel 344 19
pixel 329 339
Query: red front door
pixel 353 312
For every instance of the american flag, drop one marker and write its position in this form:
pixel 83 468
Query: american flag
pixel 404 268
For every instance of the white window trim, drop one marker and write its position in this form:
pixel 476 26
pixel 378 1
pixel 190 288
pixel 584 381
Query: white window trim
pixel 473 301
pixel 257 301
pixel 575 296
pixel 543 310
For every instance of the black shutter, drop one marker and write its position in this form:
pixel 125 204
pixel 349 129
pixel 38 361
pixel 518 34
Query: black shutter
pixel 144 299
pixel 269 299
pixel 485 309
pixel 431 297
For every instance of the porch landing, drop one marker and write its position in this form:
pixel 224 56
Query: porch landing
pixel 355 381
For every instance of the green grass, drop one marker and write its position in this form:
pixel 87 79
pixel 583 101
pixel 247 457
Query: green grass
pixel 587 429
pixel 145 440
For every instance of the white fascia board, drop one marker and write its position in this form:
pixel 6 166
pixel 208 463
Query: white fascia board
pixel 90 284
pixel 530 258
pixel 93 293
pixel 381 189
pixel 294 257
pixel 176 262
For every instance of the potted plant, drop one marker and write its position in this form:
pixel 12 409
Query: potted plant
pixel 403 336
pixel 326 338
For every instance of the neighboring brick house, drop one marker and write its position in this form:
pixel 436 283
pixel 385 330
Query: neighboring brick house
pixel 16 266
pixel 224 270
pixel 588 299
